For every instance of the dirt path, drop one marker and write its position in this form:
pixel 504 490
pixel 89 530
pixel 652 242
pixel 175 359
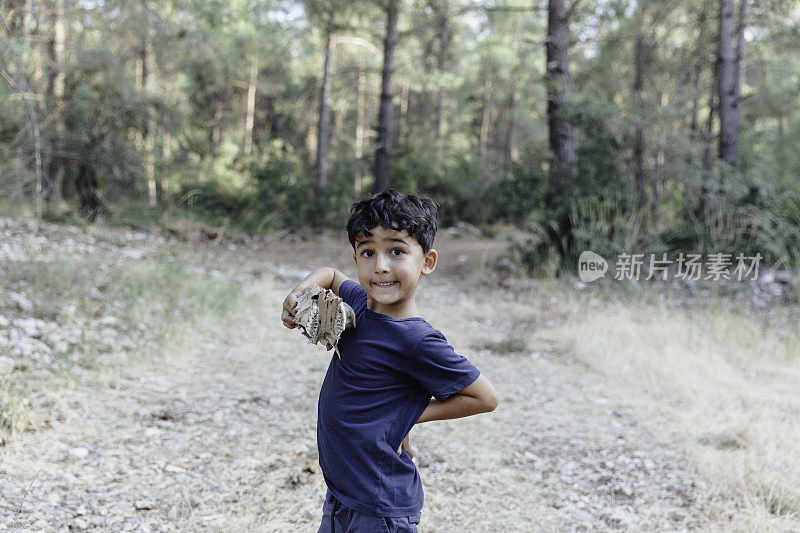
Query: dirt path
pixel 219 435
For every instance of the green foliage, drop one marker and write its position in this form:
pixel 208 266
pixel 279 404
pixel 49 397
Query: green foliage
pixel 776 231
pixel 517 196
pixel 603 224
pixel 458 181
pixel 101 108
pixel 599 132
pixel 285 188
pixel 470 119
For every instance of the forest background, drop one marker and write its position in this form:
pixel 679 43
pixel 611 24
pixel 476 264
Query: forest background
pixel 169 169
pixel 614 126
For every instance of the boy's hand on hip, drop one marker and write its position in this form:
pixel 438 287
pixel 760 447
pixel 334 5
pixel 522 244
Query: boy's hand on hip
pixel 406 445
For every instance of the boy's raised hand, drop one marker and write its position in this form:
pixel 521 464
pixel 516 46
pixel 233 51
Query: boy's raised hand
pixel 325 277
pixel 290 302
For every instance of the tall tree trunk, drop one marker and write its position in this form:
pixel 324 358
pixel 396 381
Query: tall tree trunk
pixel 405 91
pixel 638 83
pixel 360 105
pixel 251 106
pixel 511 110
pixel 444 37
pixel 148 131
pixel 781 148
pixel 324 118
pixel 729 69
pixel 384 144
pixel 660 174
pixel 739 71
pixel 483 140
pixel 694 123
pixel 708 158
pixel 564 169
pixel 698 70
pixel 56 98
pixel 215 135
pixel 18 17
pixel 559 95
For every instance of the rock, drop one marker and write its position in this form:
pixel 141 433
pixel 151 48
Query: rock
pixel 621 517
pixel 144 504
pixel 584 518
pixel 22 302
pixel 81 510
pixel 766 276
pixel 624 489
pixel 60 347
pixel 79 524
pixel 32 327
pixel 79 453
pixel 133 253
pixel 276 400
pixel 4 322
pixel 193 500
pixel 54 499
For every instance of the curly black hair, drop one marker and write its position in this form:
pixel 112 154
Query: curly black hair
pixel 398 211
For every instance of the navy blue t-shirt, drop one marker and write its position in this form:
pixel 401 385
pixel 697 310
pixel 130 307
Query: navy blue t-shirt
pixel 372 397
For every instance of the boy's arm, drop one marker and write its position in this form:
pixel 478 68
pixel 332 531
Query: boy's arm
pixel 325 277
pixel 479 397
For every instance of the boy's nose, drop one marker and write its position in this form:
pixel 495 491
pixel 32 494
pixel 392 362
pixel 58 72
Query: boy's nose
pixel 381 265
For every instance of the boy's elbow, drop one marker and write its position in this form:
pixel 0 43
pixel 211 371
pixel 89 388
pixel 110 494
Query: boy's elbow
pixel 490 403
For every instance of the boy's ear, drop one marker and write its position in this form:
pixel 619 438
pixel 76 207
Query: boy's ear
pixel 429 263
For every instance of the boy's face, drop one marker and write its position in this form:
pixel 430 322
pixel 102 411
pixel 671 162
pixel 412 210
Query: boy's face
pixel 389 265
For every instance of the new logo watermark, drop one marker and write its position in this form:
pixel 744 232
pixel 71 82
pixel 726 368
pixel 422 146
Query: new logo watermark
pixel 591 266
pixel 715 267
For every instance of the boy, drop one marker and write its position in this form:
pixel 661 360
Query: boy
pixel 391 364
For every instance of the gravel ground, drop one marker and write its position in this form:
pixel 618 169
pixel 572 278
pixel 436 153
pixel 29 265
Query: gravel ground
pixel 218 434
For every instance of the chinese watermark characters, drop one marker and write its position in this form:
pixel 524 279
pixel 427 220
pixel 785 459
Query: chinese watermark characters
pixel 685 266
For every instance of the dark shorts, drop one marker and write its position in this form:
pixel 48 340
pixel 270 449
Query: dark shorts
pixel 338 518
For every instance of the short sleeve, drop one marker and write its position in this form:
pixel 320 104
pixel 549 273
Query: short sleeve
pixel 436 366
pixel 353 295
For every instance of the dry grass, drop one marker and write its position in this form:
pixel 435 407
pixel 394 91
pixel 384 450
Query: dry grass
pixel 720 382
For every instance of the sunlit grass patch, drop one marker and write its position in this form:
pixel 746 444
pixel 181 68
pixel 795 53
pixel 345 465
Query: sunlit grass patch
pixel 20 412
pixel 15 412
pixel 101 312
pixel 714 376
pixel 777 500
pixel 508 345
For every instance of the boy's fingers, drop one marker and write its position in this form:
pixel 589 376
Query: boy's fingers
pixel 288 320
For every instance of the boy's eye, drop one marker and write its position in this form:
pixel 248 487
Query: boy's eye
pixel 397 251
pixel 367 253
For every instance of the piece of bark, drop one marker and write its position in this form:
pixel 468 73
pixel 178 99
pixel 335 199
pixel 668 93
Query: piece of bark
pixel 323 316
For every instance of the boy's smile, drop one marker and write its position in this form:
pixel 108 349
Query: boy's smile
pixel 389 264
